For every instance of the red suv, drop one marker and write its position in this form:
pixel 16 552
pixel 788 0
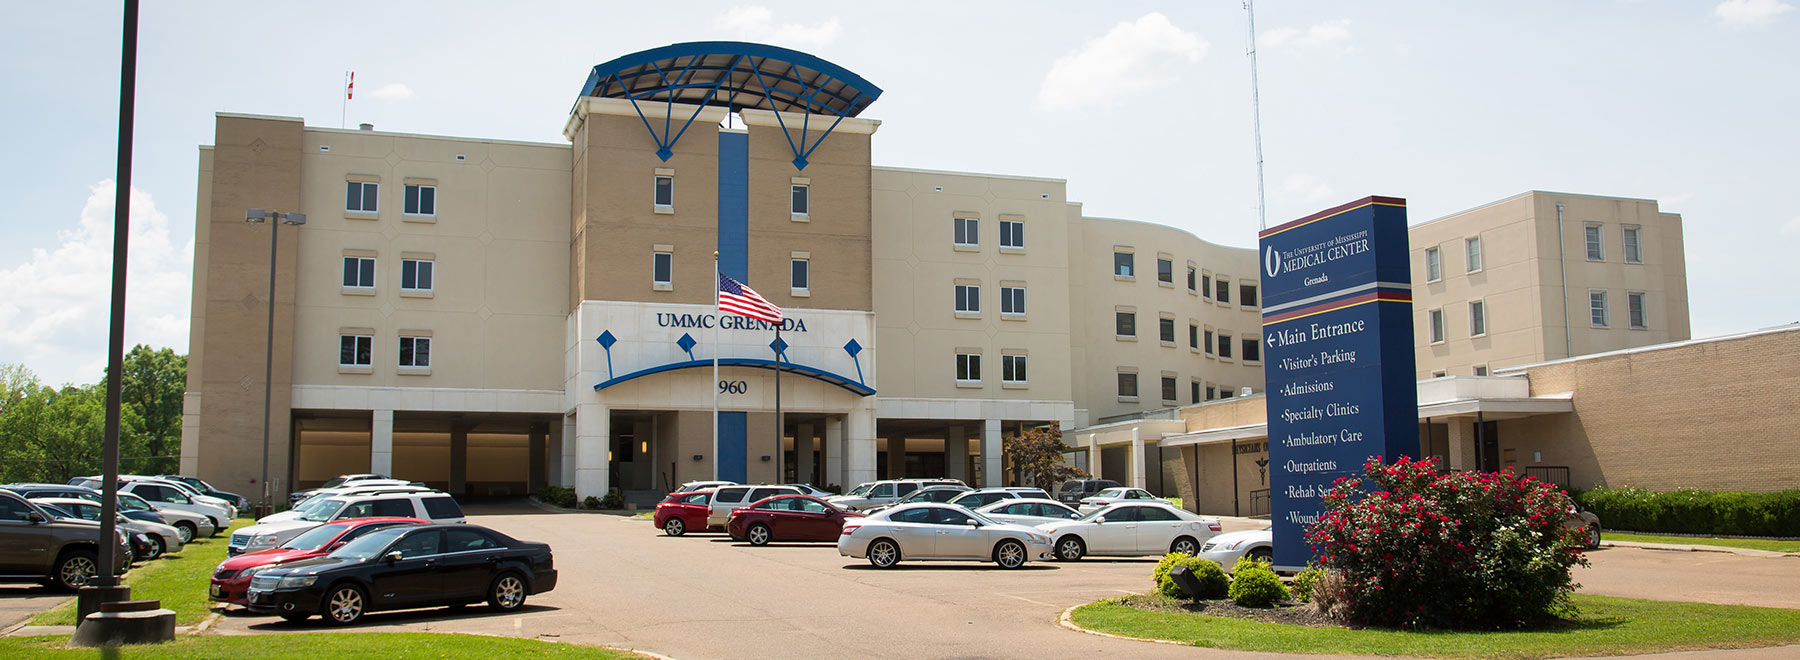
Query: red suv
pixel 788 518
pixel 232 577
pixel 681 512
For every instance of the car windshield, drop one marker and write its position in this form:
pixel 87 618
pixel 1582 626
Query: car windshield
pixel 322 511
pixel 1111 492
pixel 56 512
pixel 369 545
pixel 333 483
pixel 315 538
pixel 132 503
pixel 862 490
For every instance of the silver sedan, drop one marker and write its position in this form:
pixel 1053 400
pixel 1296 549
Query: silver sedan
pixel 940 532
pixel 1030 512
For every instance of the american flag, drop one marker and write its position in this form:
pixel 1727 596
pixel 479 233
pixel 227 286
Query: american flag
pixel 745 301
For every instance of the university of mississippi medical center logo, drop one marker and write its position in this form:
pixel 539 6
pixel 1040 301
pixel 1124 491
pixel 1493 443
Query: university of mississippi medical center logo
pixel 1271 262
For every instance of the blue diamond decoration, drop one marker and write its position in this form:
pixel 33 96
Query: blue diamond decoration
pixel 664 153
pixel 779 346
pixel 853 348
pixel 607 340
pixel 799 163
pixel 686 342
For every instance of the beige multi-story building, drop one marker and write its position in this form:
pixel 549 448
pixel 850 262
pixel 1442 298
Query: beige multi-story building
pixel 493 317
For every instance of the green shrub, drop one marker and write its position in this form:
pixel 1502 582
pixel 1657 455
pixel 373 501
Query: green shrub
pixel 591 503
pixel 1254 585
pixel 558 496
pixel 1212 578
pixel 1305 582
pixel 1694 511
pixel 614 500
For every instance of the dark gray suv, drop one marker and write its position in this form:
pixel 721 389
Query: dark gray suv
pixel 62 553
pixel 1073 491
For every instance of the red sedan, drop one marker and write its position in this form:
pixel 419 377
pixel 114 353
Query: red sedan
pixel 683 511
pixel 232 577
pixel 788 518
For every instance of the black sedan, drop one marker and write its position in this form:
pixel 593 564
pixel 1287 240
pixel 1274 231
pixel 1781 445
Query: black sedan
pixel 404 568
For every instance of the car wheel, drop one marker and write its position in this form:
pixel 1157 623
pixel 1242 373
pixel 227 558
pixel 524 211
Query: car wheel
pixel 1593 536
pixel 1186 546
pixel 345 604
pixel 1262 556
pixel 674 527
pixel 758 534
pixel 218 527
pixel 1009 554
pixel 884 554
pixel 1070 548
pixel 186 531
pixel 507 593
pixel 75 569
pixel 157 548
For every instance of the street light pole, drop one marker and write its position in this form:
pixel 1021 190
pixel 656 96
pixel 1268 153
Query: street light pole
pixel 258 216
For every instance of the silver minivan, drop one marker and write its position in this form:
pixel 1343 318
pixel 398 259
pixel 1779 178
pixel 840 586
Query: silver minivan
pixel 727 498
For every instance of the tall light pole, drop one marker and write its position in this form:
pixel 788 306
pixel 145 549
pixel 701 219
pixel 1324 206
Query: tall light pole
pixel 259 216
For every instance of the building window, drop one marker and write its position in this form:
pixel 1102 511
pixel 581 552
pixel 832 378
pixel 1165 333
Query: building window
pixel 968 299
pixel 800 274
pixel 1597 309
pixel 1472 251
pixel 662 270
pixel 1168 389
pixel 967 232
pixel 1206 342
pixel 1194 392
pixel 1634 309
pixel 1247 295
pixel 1633 246
pixel 1434 270
pixel 1012 300
pixel 1165 331
pixel 1437 325
pixel 1193 278
pixel 1223 286
pixel 1225 391
pixel 354 350
pixel 664 199
pixel 1123 266
pixel 361 196
pixel 1194 336
pixel 1481 370
pixel 1211 392
pixel 1596 243
pixel 415 351
pixel 359 272
pixel 1438 374
pixel 1012 234
pixel 968 367
pixel 802 199
pixel 1206 287
pixel 1252 350
pixel 1125 324
pixel 1224 345
pixel 1012 369
pixel 1165 271
pixel 416 274
pixel 1477 318
pixel 420 200
pixel 1128 385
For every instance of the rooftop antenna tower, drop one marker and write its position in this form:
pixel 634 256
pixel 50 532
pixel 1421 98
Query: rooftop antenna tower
pixel 1262 215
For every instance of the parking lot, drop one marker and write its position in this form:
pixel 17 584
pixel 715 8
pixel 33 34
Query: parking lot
pixel 703 596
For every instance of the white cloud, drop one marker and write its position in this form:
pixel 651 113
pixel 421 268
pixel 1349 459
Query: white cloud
pixel 1133 57
pixel 392 92
pixel 1306 188
pixel 1326 34
pixel 1740 14
pixel 1791 228
pixel 757 23
pixel 55 312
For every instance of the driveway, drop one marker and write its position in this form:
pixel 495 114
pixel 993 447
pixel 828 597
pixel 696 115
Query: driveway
pixel 623 584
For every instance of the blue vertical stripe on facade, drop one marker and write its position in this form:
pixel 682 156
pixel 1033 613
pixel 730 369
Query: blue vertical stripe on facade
pixel 734 205
pixel 733 436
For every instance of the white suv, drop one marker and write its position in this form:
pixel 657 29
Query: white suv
pixel 320 495
pixel 434 506
pixel 726 498
pixel 166 495
pixel 871 495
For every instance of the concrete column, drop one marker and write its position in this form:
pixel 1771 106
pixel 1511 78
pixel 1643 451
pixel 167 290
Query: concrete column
pixel 859 443
pixel 566 462
pixel 537 437
pixel 831 454
pixel 1137 458
pixel 990 455
pixel 956 454
pixel 553 455
pixel 381 443
pixel 593 426
pixel 896 457
pixel 1462 443
pixel 1093 447
pixel 459 458
pixel 803 453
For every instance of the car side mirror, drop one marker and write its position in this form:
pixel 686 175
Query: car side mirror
pixel 337 545
pixel 1101 519
pixel 37 518
pixel 392 557
pixel 974 523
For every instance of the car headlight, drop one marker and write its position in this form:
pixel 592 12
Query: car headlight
pixel 1234 544
pixel 253 570
pixel 298 581
pixel 263 541
pixel 1038 538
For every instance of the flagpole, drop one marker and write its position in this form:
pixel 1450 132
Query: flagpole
pixel 780 424
pixel 717 312
pixel 344 105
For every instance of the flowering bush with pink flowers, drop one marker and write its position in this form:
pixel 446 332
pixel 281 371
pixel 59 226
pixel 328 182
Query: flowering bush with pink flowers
pixel 1422 548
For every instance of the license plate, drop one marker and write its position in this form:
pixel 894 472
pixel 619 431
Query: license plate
pixel 256 596
pixel 215 591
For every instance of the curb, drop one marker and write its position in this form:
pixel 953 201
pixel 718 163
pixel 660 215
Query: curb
pixel 623 513
pixel 1672 547
pixel 1067 620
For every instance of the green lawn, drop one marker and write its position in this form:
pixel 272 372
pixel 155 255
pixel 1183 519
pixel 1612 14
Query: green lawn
pixel 311 646
pixel 1752 544
pixel 178 580
pixel 1607 626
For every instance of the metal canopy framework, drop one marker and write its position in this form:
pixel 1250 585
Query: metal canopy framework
pixel 734 75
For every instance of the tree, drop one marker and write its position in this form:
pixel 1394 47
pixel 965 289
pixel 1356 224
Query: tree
pixel 1038 455
pixel 153 384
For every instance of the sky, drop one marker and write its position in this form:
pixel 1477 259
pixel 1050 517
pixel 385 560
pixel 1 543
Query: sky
pixel 1145 108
